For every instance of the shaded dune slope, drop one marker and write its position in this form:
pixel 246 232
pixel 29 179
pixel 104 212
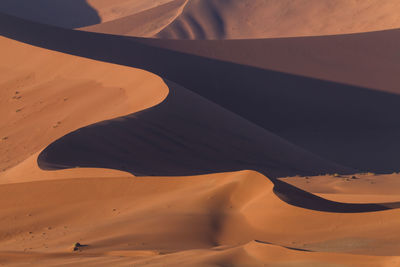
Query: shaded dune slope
pixel 63 13
pixel 277 101
pixel 184 135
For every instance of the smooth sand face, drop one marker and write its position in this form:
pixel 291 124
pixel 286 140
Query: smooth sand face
pixel 64 112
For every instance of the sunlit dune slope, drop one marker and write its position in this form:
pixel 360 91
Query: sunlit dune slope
pixel 45 95
pixel 187 221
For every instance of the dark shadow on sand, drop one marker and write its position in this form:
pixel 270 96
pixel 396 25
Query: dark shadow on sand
pixel 188 135
pixel 63 13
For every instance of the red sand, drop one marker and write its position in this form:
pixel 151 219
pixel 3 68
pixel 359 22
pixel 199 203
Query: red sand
pixel 154 152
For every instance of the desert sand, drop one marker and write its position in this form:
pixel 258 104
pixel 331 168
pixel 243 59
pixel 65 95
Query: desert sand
pixel 119 150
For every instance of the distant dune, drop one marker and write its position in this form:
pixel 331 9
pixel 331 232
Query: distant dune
pixel 212 19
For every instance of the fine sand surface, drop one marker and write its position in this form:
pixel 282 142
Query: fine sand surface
pixel 209 220
pixel 155 152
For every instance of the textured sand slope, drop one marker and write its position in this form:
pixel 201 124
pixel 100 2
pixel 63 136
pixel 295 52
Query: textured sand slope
pixel 213 218
pixel 245 19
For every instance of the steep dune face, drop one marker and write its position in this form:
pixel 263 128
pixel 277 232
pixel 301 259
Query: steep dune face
pixel 232 19
pixel 45 95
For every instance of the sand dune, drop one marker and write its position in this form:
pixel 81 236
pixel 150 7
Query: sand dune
pixel 49 94
pixel 156 152
pixel 184 135
pixel 365 140
pixel 232 19
pixel 117 9
pixel 159 225
pixel 146 23
pixel 212 19
pixel 77 13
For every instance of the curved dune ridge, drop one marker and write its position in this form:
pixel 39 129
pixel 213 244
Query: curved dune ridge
pixel 45 94
pixel 171 152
